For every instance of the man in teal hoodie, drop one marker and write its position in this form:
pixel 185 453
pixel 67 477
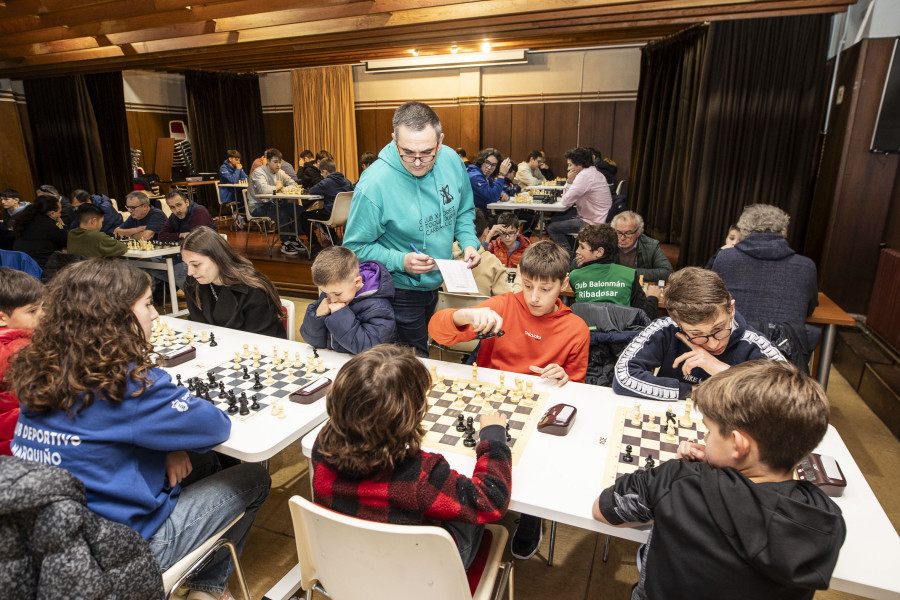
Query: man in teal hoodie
pixel 407 210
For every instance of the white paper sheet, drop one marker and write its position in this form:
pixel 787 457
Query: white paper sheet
pixel 458 276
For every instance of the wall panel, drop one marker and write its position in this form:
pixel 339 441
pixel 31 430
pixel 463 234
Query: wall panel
pixel 623 132
pixel 15 171
pixel 279 127
pixel 560 133
pixel 496 126
pixel 470 128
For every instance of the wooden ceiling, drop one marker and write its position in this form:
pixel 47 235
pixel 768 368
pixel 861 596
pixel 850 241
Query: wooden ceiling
pixel 43 38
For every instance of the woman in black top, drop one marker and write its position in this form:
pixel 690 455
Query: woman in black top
pixel 224 289
pixel 39 230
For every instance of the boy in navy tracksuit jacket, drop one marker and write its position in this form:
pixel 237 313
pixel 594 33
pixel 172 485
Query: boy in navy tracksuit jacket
pixel 704 335
pixel 333 184
pixel 354 311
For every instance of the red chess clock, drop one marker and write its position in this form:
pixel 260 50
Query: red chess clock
pixel 311 392
pixel 558 419
pixel 824 472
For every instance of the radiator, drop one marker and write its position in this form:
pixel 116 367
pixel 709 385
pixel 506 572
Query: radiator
pixel 884 308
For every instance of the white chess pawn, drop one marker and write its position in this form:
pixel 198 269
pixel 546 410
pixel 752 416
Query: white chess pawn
pixel 298 364
pixel 246 353
pixel 502 379
pixel 320 366
pixel 460 401
pixel 204 336
pixel 474 371
pixel 269 380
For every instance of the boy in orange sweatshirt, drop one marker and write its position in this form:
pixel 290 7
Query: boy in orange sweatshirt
pixel 541 335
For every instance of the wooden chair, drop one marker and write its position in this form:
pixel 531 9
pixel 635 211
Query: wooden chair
pixel 352 559
pixel 339 213
pixel 262 222
pixel 175 576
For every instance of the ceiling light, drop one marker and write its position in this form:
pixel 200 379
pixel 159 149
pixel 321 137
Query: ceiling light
pixel 447 61
pixel 485 46
pixel 454 49
pixel 414 52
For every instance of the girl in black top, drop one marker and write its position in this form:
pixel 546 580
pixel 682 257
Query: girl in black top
pixel 224 289
pixel 39 230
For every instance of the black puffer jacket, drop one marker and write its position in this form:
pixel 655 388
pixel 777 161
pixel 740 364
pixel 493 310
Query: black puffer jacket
pixel 52 546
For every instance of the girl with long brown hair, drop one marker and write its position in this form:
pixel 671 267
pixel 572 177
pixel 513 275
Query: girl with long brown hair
pixel 224 289
pixel 93 403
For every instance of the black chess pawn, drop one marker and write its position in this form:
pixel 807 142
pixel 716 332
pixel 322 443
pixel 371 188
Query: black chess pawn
pixel 469 440
pixel 246 374
pixel 650 463
pixel 628 458
pixel 222 393
pixel 212 340
pixel 255 405
pixel 178 381
pixel 257 384
pixel 460 422
pixel 315 352
pixel 232 405
pixel 206 396
pixel 231 396
pixel 508 435
pixel 211 377
pixel 244 409
pixel 190 384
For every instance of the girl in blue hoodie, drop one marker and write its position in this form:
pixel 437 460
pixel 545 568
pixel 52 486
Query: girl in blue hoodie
pixel 93 403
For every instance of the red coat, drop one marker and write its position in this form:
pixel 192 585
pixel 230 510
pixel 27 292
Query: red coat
pixel 11 341
pixel 498 249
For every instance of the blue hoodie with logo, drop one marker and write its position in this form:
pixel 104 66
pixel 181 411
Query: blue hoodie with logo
pixel 392 208
pixel 118 449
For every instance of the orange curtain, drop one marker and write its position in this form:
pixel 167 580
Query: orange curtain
pixel 324 117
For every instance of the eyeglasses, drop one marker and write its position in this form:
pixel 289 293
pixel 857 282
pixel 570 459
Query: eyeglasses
pixel 623 234
pixel 719 335
pixel 492 164
pixel 133 208
pixel 422 158
pixel 509 233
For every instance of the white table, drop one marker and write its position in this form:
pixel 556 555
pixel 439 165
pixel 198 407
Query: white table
pixel 262 436
pixel 295 200
pixel 539 208
pixel 548 483
pixel 143 259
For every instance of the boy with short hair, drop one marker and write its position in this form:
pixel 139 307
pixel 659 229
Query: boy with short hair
pixel 541 335
pixel 20 311
pixel 353 312
pixel 703 335
pixel 599 279
pixel 88 240
pixel 510 245
pixel 751 529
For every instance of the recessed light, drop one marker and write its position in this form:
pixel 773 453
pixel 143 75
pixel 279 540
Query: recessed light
pixel 485 46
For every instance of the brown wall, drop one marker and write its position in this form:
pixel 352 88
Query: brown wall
pixel 854 188
pixel 15 169
pixel 144 128
pixel 517 129
pixel 279 129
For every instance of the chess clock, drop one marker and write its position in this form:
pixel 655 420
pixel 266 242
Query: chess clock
pixel 311 392
pixel 178 355
pixel 558 419
pixel 822 471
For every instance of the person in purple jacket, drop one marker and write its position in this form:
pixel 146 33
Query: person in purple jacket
pixel 353 312
pixel 93 403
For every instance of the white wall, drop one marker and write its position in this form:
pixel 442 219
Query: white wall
pixel 866 19
pixel 152 91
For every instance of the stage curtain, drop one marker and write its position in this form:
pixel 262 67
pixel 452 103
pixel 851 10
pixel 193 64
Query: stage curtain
pixel 757 126
pixel 67 145
pixel 224 113
pixel 671 71
pixel 108 102
pixel 324 117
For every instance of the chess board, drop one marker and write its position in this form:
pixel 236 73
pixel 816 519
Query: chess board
pixel 440 421
pixel 278 390
pixel 175 351
pixel 645 441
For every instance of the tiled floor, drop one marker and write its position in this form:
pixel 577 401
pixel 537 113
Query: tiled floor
pixel 578 571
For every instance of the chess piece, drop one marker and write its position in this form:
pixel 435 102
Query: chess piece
pixel 297 362
pixel 204 336
pixel 277 411
pixel 670 433
pixel 502 379
pixel 222 393
pixel 246 353
pixel 255 405
pixel 651 424
pixel 212 340
pixel 670 416
pixel 246 374
pixel 211 377
pixel 320 366
pixel 469 440
pixel 474 371
pixel 232 404
pixel 255 363
pixel 256 352
pixel 245 410
pixel 178 378
pixel 269 380
pixel 628 458
pixel 455 386
pixel 237 362
pixel 518 382
pixel 190 385
pixel 290 376
pixel 650 463
pixel 477 399
pixel 508 435
pixel 636 416
pixel 686 420
pixel 460 422
pixel 460 401
pixel 434 373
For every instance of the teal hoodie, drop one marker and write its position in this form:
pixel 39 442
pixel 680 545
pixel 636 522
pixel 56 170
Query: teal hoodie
pixel 392 209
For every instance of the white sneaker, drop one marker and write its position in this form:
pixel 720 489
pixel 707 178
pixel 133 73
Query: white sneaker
pixel 289 248
pixel 198 595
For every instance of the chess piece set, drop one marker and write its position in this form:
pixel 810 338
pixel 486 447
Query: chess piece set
pixel 280 362
pixel 165 335
pixel 485 395
pixel 668 430
pixel 146 245
pixel 466 425
pixel 236 404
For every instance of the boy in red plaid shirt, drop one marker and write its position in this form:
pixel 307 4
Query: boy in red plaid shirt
pixel 368 462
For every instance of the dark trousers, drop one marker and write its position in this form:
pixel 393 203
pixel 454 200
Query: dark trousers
pixel 319 215
pixel 412 311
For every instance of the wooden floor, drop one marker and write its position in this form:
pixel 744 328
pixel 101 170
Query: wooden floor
pixel 290 274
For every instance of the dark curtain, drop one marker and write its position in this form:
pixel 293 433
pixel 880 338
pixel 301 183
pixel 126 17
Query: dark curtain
pixel 757 126
pixel 224 112
pixel 108 103
pixel 671 71
pixel 68 150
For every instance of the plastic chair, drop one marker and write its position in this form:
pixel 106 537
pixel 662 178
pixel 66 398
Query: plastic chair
pixel 353 559
pixel 339 214
pixel 261 222
pixel 235 211
pixel 451 300
pixel 175 576
pixel 177 130
pixel 290 323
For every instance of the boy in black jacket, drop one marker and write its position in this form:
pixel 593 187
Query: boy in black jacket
pixel 702 336
pixel 728 518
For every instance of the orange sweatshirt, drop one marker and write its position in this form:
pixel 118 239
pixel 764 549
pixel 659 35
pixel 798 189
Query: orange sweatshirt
pixel 560 337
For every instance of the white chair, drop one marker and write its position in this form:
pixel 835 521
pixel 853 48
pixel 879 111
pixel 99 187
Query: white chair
pixel 262 222
pixel 353 559
pixel 175 576
pixel 235 211
pixel 165 207
pixel 451 300
pixel 291 326
pixel 622 188
pixel 340 211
